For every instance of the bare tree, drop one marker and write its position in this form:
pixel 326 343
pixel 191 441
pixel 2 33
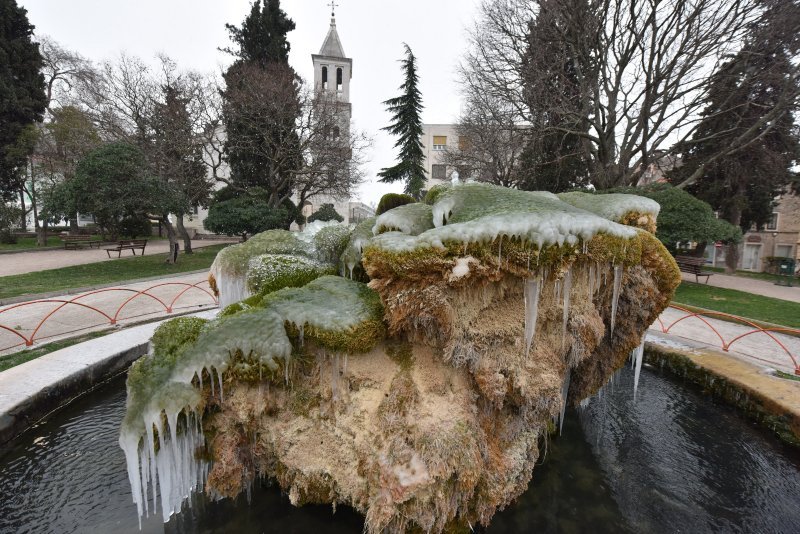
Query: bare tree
pixel 319 154
pixel 639 68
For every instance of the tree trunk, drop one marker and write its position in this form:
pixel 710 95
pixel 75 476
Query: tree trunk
pixel 732 249
pixel 173 239
pixel 73 224
pixel 41 234
pixel 187 241
pixel 23 223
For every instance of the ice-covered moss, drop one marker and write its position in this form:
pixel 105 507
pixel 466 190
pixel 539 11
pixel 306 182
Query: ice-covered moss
pixel 270 272
pixel 235 259
pixel 331 241
pixel 337 313
pixel 411 219
pixel 614 206
pixel 434 192
pixel 174 335
pixel 351 257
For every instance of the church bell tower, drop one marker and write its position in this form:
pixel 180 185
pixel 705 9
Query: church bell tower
pixel 333 70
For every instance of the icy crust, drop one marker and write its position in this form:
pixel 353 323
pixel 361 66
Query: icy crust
pixel 162 434
pixel 411 219
pixel 319 241
pixel 351 257
pixel 270 272
pixel 613 206
pixel 483 213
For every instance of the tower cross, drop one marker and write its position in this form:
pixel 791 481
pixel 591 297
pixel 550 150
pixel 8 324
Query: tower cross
pixel 333 5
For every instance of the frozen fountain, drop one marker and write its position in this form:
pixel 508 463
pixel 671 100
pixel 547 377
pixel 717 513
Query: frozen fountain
pixel 417 386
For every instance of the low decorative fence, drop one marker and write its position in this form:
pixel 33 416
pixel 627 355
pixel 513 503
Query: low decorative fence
pixel 132 303
pixel 727 340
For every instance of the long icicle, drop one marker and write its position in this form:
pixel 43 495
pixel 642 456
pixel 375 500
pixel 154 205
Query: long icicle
pixel 532 290
pixel 565 312
pixel 639 352
pixel 615 295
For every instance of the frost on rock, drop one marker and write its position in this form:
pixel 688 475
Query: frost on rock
pixel 410 219
pixel 420 399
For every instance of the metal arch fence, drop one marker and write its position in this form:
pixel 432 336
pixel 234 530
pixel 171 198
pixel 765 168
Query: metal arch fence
pixel 165 305
pixel 726 343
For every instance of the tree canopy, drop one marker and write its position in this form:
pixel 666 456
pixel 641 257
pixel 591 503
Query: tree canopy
pixel 406 125
pixel 683 218
pixel 326 212
pixel 22 95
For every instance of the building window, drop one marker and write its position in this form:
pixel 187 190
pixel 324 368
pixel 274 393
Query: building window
pixel 439 142
pixel 339 79
pixel 439 172
pixel 324 77
pixel 783 251
pixel 196 209
pixel 773 222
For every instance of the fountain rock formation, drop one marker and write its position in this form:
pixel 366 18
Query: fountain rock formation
pixel 419 386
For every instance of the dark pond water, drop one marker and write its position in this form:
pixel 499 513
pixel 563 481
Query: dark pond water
pixel 674 461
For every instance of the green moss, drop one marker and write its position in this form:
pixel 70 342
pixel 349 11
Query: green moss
pixel 389 201
pixel 234 260
pixel 401 353
pixel 434 192
pixel 173 336
pixel 270 272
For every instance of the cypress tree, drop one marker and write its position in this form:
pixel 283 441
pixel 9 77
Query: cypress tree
pixel 22 96
pixel 407 126
pixel 262 44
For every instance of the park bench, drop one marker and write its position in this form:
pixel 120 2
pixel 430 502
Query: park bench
pixel 691 265
pixel 79 241
pixel 127 244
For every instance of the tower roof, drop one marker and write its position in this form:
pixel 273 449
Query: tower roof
pixel 332 47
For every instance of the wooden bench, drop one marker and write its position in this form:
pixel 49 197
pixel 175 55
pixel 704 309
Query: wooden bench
pixel 691 265
pixel 79 241
pixel 127 244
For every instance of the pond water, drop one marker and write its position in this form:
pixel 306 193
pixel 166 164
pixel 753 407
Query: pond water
pixel 673 461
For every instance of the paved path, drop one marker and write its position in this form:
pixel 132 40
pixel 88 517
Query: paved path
pixel 27 262
pixel 758 348
pixel 750 285
pixel 94 309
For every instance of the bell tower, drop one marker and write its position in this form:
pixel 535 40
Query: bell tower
pixel 332 69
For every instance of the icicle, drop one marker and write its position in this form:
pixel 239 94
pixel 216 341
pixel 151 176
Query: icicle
pixel 500 252
pixel 564 392
pixel 585 247
pixel 565 312
pixel 211 379
pixel 639 353
pixel 532 290
pixel 301 331
pixel 615 294
pixel 286 364
pixel 219 377
pixel 200 377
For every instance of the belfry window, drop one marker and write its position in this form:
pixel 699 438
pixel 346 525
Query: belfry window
pixel 324 77
pixel 339 78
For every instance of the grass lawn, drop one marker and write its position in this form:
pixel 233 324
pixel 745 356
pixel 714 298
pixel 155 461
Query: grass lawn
pixel 25 243
pixel 105 272
pixel 12 360
pixel 747 305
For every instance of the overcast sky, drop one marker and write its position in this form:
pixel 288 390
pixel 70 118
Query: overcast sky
pixel 372 33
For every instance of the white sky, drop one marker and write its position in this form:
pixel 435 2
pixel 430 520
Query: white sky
pixel 372 33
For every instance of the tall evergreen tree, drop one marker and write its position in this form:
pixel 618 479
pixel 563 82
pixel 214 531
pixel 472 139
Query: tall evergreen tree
pixel 743 153
pixel 407 126
pixel 558 76
pixel 744 150
pixel 253 136
pixel 22 95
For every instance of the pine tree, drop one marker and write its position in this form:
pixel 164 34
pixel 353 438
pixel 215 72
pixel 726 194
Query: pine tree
pixel 22 96
pixel 746 144
pixel 407 126
pixel 262 37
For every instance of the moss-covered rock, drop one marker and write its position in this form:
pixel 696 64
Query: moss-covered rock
pixel 390 201
pixel 270 272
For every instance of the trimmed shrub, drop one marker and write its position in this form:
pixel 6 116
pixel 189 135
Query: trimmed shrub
pixel 390 201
